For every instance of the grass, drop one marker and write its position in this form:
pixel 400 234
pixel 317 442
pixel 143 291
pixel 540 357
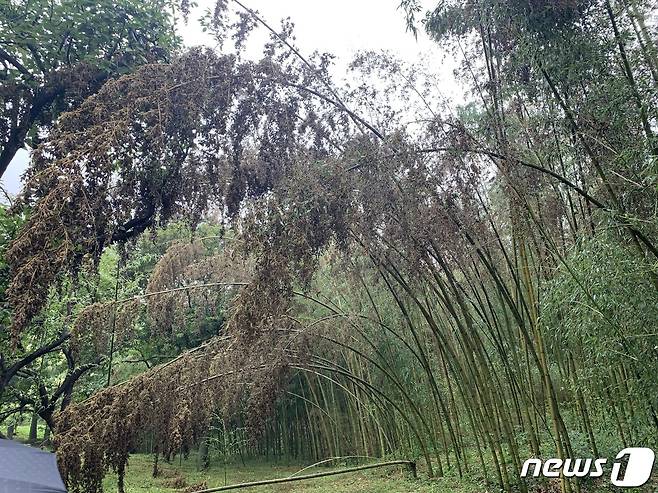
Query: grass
pixel 392 479
pixel 386 480
pixel 22 431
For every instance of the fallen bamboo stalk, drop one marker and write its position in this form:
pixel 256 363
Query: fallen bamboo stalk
pixel 410 464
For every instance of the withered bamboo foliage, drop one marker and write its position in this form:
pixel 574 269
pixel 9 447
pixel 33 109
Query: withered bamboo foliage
pixel 474 291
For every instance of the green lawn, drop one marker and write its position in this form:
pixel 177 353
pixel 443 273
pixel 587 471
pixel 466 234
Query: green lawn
pixel 387 480
pixel 176 476
pixel 22 431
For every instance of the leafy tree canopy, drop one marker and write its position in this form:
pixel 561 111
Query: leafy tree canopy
pixel 54 53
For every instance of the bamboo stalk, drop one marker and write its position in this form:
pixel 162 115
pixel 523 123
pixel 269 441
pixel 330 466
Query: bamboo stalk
pixel 410 464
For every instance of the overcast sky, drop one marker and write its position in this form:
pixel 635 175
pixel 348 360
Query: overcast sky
pixel 340 27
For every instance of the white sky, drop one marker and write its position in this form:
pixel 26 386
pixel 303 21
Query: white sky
pixel 340 27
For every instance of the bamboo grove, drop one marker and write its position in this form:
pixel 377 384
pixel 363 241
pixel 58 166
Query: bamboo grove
pixel 473 289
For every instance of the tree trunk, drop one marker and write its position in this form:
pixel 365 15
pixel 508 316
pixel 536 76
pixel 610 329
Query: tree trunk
pixel 33 428
pixel 42 101
pixel 203 461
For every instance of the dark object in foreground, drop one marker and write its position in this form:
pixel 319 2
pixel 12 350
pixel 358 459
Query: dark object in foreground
pixel 26 469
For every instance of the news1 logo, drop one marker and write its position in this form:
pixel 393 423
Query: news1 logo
pixel 639 464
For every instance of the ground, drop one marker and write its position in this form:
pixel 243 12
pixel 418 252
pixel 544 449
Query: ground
pixel 179 475
pixel 391 479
